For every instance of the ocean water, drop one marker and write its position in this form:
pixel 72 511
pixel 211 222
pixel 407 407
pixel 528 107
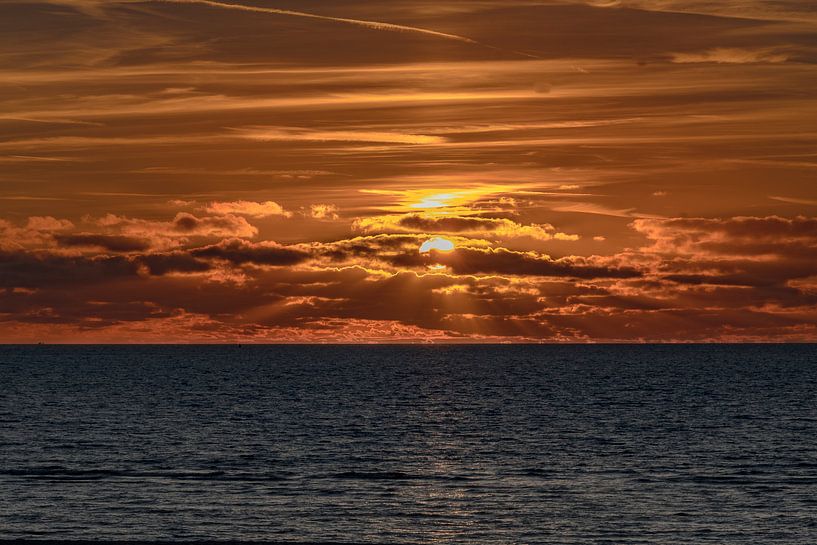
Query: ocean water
pixel 411 444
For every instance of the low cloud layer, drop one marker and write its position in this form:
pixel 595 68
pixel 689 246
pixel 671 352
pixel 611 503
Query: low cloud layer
pixel 695 279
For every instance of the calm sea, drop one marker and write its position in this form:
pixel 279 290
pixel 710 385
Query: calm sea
pixel 399 444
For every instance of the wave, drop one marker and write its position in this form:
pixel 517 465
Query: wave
pixel 746 479
pixel 63 473
pixel 395 476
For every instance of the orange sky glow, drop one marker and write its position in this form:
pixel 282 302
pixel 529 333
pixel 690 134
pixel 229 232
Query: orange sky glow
pixel 263 171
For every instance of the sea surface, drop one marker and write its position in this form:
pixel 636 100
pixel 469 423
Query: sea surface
pixel 411 444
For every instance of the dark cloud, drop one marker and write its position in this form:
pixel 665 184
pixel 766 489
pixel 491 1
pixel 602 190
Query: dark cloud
pixel 111 243
pixel 753 236
pixel 173 262
pixel 44 270
pixel 741 251
pixel 447 224
pixel 508 262
pixel 239 252
pixel 474 225
pixel 38 270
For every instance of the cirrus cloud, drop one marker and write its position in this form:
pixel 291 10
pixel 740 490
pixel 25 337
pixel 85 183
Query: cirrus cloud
pixel 247 208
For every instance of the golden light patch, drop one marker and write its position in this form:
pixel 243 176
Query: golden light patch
pixel 442 199
pixel 437 200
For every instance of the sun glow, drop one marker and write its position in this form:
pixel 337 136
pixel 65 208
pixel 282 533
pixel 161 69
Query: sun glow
pixel 437 243
pixel 437 200
pixel 449 200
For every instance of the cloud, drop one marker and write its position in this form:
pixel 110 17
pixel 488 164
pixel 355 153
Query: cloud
pixel 727 55
pixel 656 293
pixel 47 223
pixel 323 211
pixel 247 208
pixel 755 252
pixel 739 236
pixel 294 174
pixel 240 252
pixel 182 225
pixel 269 134
pixel 26 270
pixel 36 232
pixel 508 262
pixel 784 10
pixel 372 25
pixel 113 243
pixel 596 209
pixel 48 270
pixel 160 264
pixel 795 200
pixel 470 225
pixel 81 143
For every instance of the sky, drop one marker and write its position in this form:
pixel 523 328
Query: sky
pixel 408 171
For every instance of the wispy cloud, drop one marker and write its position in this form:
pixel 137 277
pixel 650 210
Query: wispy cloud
pixel 732 55
pixel 784 10
pixel 371 25
pixel 247 208
pixel 795 200
pixel 266 134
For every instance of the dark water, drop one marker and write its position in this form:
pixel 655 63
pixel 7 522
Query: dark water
pixel 548 444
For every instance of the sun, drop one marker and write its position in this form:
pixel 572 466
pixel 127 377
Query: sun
pixel 437 243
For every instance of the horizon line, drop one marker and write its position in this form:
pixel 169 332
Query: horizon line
pixel 404 343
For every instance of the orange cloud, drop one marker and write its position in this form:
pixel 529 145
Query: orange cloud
pixel 247 208
pixel 466 225
pixel 183 225
pixel 37 231
pixel 324 211
pixel 269 134
pixel 728 55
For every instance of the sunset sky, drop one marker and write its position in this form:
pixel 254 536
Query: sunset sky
pixel 408 170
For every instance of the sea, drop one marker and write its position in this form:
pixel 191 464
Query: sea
pixel 573 444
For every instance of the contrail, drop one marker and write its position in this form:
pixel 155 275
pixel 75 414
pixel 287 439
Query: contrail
pixel 373 25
